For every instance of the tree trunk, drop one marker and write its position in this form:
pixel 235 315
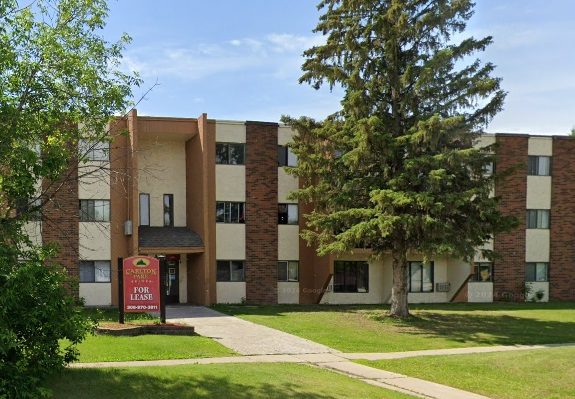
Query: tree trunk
pixel 399 290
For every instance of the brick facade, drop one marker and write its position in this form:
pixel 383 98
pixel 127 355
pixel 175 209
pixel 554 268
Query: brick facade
pixel 509 270
pixel 562 262
pixel 261 212
pixel 60 222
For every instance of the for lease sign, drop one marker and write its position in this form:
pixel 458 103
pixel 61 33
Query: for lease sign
pixel 141 284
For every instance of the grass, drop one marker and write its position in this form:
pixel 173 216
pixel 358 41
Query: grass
pixel 106 348
pixel 214 381
pixel 545 373
pixel 367 329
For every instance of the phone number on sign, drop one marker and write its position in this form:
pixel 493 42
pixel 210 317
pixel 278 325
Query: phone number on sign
pixel 141 307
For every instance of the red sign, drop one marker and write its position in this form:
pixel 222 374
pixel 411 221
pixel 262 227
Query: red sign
pixel 141 284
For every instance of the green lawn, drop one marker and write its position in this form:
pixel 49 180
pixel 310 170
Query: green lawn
pixel 537 374
pixel 213 381
pixel 367 329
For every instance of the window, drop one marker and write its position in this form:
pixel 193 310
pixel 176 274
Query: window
pixel 95 271
pixel 536 271
pixel 351 276
pixel 539 166
pixel 168 210
pixel 286 157
pixel 287 214
pixel 144 209
pixel 537 219
pixel 288 270
pixel 489 168
pixel 95 151
pixel 230 212
pixel 94 210
pixel 420 277
pixel 32 209
pixel 483 272
pixel 230 270
pixel 230 153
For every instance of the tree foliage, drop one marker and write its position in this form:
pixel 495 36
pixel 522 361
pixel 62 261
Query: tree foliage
pixel 59 83
pixel 396 169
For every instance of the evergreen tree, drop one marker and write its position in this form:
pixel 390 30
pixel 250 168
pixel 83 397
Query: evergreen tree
pixel 396 170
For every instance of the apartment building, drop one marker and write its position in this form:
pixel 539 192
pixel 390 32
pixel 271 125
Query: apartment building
pixel 213 197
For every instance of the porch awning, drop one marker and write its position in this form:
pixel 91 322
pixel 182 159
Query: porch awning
pixel 169 240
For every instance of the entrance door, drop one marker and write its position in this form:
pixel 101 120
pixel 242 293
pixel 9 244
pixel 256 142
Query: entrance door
pixel 172 279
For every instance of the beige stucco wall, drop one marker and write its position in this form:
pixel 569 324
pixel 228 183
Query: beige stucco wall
pixel 230 292
pixel 288 242
pixel 285 134
pixel 34 231
pixel 376 292
pixel 95 184
pixel 288 292
pixel 162 170
pixel 478 256
pixel 479 292
pixel 231 183
pixel 230 132
pixel 484 141
pixel 96 294
pixel 286 185
pixel 537 286
pixel 538 192
pixel 230 241
pixel 540 146
pixel 183 279
pixel 537 245
pixel 457 272
pixel 94 239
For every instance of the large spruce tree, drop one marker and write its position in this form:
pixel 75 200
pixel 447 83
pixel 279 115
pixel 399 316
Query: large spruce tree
pixel 396 169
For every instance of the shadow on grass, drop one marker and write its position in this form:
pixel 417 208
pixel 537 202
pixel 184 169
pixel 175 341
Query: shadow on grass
pixel 119 384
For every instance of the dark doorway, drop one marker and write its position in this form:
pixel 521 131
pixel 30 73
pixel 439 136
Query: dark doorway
pixel 172 279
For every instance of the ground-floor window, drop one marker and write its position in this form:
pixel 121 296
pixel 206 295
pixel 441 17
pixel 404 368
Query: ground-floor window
pixel 95 271
pixel 420 277
pixel 537 271
pixel 351 276
pixel 483 272
pixel 230 270
pixel 288 270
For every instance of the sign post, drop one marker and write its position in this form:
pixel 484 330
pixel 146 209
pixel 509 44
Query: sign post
pixel 163 286
pixel 121 289
pixel 141 280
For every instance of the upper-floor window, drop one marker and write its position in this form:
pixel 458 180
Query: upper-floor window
pixel 350 276
pixel 230 270
pixel 168 210
pixel 230 153
pixel 537 219
pixel 94 210
pixel 95 271
pixel 420 277
pixel 483 272
pixel 230 212
pixel 94 150
pixel 287 214
pixel 286 157
pixel 144 209
pixel 288 270
pixel 537 271
pixel 30 208
pixel 539 165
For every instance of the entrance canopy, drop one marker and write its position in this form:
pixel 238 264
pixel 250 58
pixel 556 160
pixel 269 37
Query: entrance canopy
pixel 169 240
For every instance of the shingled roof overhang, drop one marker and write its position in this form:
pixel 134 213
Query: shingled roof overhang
pixel 169 240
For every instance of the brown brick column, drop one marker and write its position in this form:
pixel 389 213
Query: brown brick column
pixel 562 262
pixel 509 272
pixel 261 212
pixel 60 222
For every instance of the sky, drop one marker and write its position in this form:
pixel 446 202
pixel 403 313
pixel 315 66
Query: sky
pixel 241 59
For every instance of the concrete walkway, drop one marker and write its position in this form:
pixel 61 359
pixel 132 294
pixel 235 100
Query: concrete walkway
pixel 244 337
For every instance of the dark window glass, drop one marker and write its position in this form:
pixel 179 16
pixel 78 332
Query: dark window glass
pixel 230 212
pixel 168 210
pixel 288 270
pixel 94 151
pixel 537 271
pixel 351 276
pixel 94 210
pixel 230 153
pixel 537 219
pixel 420 277
pixel 144 209
pixel 483 272
pixel 286 157
pixel 539 165
pixel 230 270
pixel 287 214
pixel 95 271
pixel 32 209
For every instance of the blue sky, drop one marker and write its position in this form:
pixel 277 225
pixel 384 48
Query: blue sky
pixel 241 59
